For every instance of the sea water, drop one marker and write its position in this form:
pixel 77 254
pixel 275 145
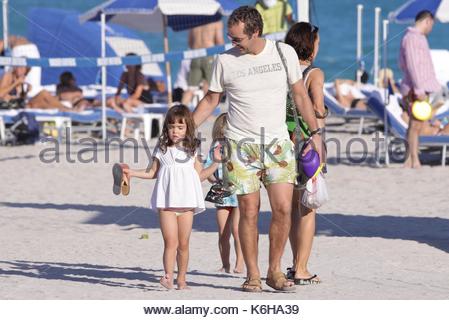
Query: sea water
pixel 336 19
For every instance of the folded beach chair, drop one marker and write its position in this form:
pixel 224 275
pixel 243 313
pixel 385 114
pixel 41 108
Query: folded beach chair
pixel 339 111
pixel 60 120
pixel 398 127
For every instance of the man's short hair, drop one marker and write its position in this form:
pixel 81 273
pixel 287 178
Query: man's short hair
pixel 424 14
pixel 250 17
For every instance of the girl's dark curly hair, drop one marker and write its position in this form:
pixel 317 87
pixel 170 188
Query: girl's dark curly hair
pixel 301 37
pixel 179 114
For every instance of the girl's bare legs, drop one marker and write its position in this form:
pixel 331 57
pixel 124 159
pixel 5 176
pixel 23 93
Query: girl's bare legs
pixel 414 128
pixel 305 235
pixel 239 262
pixel 224 235
pixel 169 228
pixel 185 222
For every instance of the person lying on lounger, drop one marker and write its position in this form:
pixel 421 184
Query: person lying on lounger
pixel 431 127
pixel 13 86
pixel 349 95
pixel 70 94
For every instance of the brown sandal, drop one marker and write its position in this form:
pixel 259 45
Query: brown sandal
pixel 117 173
pixel 278 281
pixel 125 184
pixel 252 285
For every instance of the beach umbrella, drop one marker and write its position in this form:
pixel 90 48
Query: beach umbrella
pixel 5 24
pixel 81 41
pixel 148 15
pixel 157 16
pixel 408 11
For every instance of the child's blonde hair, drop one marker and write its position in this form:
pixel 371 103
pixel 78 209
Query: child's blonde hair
pixel 219 126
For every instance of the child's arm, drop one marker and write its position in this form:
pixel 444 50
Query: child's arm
pixel 144 173
pixel 212 179
pixel 205 173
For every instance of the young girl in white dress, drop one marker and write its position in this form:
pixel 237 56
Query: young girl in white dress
pixel 177 194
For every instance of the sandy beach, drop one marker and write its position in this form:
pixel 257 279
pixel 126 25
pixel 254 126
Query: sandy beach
pixel 64 235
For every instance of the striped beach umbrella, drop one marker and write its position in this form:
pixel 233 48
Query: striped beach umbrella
pixel 148 15
pixel 407 12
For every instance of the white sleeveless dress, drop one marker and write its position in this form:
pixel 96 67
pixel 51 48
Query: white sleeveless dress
pixel 178 184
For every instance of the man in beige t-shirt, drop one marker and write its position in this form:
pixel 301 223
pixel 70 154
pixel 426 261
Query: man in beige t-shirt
pixel 253 76
pixel 205 36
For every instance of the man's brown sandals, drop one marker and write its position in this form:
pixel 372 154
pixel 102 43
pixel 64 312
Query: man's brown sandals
pixel 252 285
pixel 278 281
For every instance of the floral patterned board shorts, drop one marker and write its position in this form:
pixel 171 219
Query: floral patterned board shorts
pixel 249 164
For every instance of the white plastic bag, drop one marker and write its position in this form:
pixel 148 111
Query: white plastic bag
pixel 315 194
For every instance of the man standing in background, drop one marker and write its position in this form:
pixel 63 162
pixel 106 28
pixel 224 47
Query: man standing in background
pixel 276 15
pixel 419 81
pixel 205 36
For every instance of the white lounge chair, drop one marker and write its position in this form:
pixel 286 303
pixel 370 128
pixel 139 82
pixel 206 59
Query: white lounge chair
pixel 339 111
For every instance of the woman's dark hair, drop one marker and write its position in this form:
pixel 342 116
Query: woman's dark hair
pixel 250 17
pixel 179 114
pixel 137 66
pixel 301 37
pixel 66 79
pixel 364 77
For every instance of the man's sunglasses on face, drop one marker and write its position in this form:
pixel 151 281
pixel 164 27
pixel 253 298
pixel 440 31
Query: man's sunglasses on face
pixel 235 39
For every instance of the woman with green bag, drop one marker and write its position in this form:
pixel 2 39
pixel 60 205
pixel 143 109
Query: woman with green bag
pixel 304 38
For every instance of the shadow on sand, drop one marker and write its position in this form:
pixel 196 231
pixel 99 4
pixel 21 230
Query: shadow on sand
pixel 145 279
pixel 432 231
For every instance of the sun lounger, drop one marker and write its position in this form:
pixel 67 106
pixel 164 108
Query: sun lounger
pixel 339 111
pixel 65 119
pixel 89 119
pixel 145 113
pixel 2 130
pixel 443 111
pixel 147 119
pixel 399 128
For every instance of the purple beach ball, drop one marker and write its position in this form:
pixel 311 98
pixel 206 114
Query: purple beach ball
pixel 310 162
